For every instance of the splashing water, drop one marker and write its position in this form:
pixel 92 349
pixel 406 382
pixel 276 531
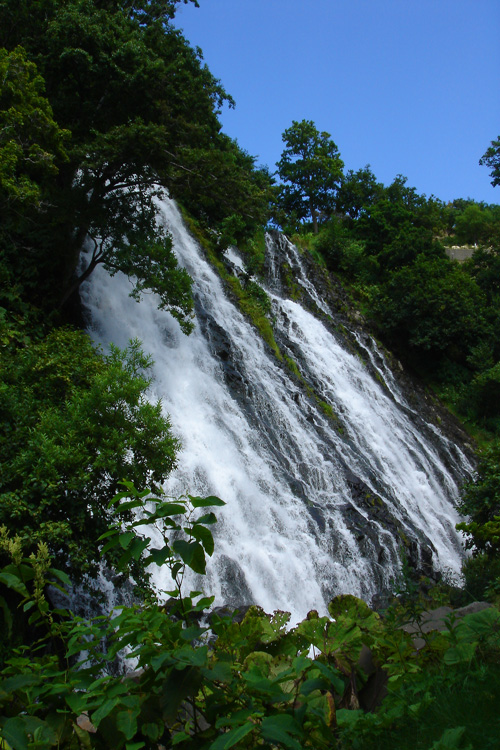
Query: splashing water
pixel 315 506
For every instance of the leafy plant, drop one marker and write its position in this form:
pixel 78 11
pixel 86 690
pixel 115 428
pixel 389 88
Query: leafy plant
pixel 244 683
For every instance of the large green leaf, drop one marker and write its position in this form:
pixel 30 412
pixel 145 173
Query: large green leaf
pixel 126 721
pixel 176 688
pixel 205 502
pixel 104 710
pixel 12 581
pixel 279 727
pixel 229 739
pixel 203 535
pixel 192 554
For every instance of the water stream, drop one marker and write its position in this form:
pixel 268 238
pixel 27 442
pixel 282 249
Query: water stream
pixel 318 498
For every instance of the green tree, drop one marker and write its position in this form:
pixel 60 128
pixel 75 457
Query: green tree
pixel 399 226
pixel 431 305
pixel 311 170
pixel 30 139
pixel 473 225
pixel 491 159
pixel 73 425
pixel 357 191
pixel 143 111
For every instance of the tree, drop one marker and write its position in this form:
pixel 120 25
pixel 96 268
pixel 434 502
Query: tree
pixel 143 111
pixel 30 139
pixel 311 168
pixel 491 159
pixel 398 226
pixel 358 190
pixel 74 424
pixel 473 225
pixel 431 306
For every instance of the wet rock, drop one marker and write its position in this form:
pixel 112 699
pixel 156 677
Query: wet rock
pixel 234 587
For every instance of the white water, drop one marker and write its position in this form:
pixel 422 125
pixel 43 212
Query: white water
pixel 283 540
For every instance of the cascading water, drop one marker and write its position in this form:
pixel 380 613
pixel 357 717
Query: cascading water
pixel 324 474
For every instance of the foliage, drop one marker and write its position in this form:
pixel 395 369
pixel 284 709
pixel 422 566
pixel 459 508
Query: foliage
pixel 29 137
pixel 398 227
pixel 431 304
pixel 491 159
pixel 473 225
pixel 311 170
pixel 253 682
pixel 143 111
pixel 357 192
pixel 74 423
pixel 481 504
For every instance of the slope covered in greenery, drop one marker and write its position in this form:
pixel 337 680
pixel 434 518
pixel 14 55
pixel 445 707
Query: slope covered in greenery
pixel 102 105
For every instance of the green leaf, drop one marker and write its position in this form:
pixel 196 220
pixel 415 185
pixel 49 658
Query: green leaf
pixel 169 509
pixel 332 675
pixel 277 728
pixel 18 682
pixel 77 702
pixel 125 538
pixel 18 729
pixel 220 672
pixel 180 737
pixel 14 732
pixel 197 657
pixel 135 551
pixel 126 721
pixel 13 581
pixel 153 730
pixel 228 739
pixel 207 519
pixel 61 576
pixel 192 554
pixel 462 651
pixel 301 663
pixel 104 710
pixel 205 502
pixel 310 685
pixel 158 556
pixel 191 633
pixel 203 535
pixel 450 740
pixel 157 662
pixel 178 685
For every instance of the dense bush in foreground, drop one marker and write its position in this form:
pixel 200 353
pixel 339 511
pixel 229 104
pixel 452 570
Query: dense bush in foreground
pixel 245 683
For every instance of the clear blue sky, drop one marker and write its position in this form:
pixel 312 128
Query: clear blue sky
pixel 408 86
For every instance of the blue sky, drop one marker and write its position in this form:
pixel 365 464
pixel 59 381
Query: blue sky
pixel 408 86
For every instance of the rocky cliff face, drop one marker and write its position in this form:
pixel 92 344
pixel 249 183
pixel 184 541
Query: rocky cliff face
pixel 331 459
pixel 295 276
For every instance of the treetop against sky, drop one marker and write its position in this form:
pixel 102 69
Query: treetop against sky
pixel 410 88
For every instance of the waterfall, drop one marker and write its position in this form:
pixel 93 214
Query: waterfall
pixel 324 474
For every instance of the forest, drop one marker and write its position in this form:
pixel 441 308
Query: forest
pixel 104 106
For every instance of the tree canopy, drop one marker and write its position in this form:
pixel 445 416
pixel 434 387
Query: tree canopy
pixel 311 170
pixel 491 159
pixel 138 109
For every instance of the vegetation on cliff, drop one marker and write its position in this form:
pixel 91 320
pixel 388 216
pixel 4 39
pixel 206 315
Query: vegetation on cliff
pixel 103 105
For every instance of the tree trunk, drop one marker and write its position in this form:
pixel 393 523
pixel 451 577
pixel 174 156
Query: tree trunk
pixel 314 218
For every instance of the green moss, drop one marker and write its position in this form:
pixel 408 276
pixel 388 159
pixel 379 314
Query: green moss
pixel 294 289
pixel 254 251
pixel 292 366
pixel 254 307
pixel 328 411
pixel 374 500
pixel 380 379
